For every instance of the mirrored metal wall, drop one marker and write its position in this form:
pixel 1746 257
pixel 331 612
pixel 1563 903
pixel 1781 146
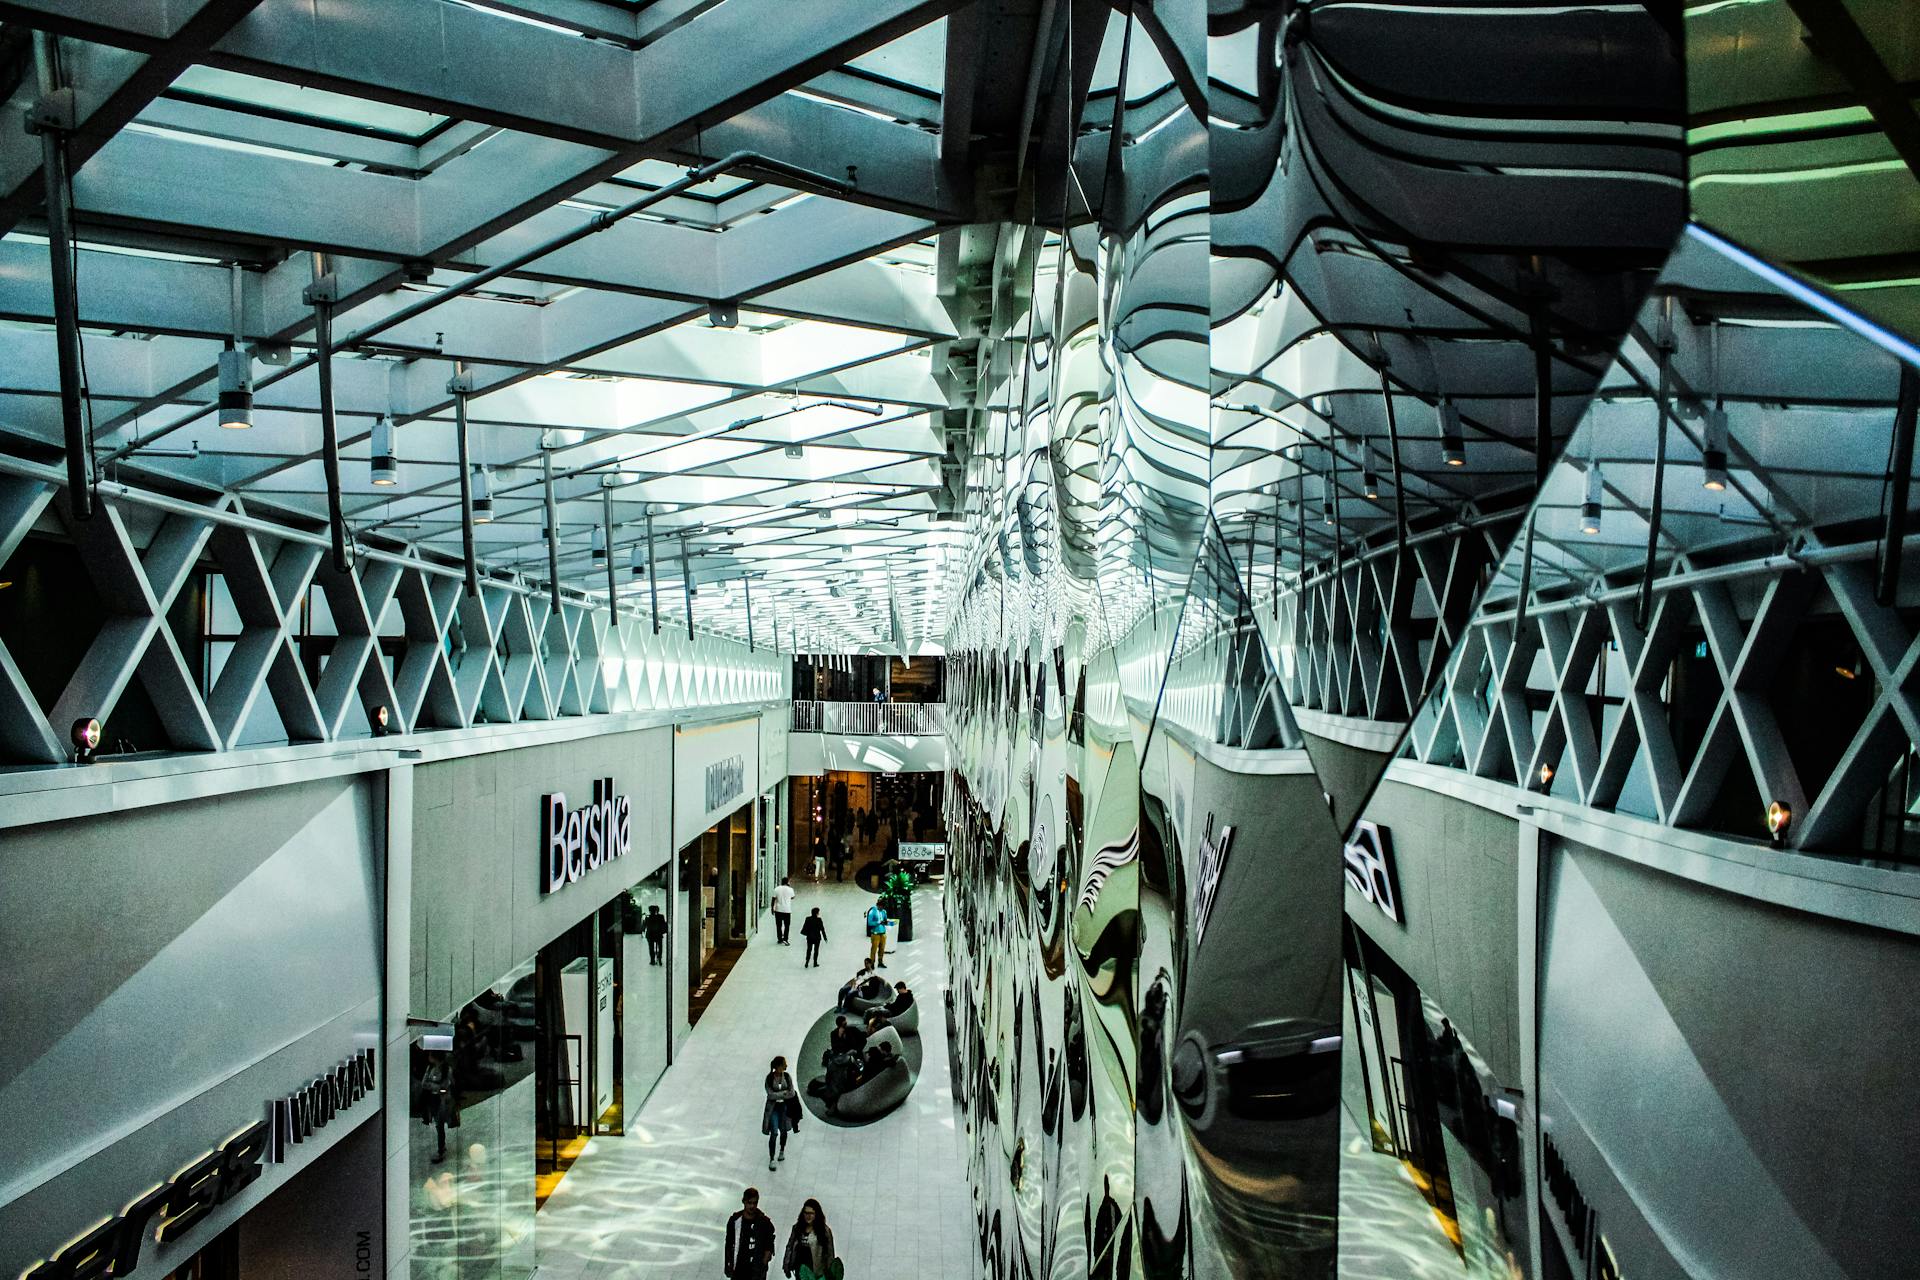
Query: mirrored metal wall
pixel 1436 393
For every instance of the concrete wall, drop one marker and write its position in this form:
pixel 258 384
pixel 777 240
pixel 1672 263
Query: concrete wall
pixel 169 969
pixel 1459 935
pixel 1731 1082
pixel 477 908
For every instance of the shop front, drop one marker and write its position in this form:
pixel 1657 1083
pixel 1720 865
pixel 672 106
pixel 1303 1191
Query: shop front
pixel 719 826
pixel 183 1093
pixel 540 1006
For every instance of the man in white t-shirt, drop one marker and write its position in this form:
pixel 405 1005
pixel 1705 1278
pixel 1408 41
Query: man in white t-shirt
pixel 783 910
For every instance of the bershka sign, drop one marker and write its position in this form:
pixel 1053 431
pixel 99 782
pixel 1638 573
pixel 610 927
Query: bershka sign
pixel 1370 871
pixel 171 1209
pixel 574 843
pixel 726 779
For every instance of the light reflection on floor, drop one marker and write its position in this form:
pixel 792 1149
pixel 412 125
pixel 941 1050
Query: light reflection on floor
pixel 654 1203
pixel 1387 1229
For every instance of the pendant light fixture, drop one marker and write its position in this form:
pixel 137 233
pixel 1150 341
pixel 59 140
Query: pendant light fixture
pixel 384 465
pixel 1713 453
pixel 1453 446
pixel 482 494
pixel 1590 509
pixel 236 368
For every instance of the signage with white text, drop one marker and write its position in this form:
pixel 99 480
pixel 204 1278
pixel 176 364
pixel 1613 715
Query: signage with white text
pixel 1370 871
pixel 575 842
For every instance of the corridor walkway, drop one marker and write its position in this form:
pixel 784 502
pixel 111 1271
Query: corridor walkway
pixel 653 1205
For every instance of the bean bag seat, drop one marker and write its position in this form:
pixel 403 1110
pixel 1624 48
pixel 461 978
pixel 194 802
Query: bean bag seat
pixel 867 1101
pixel 860 1006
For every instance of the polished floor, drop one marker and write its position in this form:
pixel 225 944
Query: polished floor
pixel 654 1204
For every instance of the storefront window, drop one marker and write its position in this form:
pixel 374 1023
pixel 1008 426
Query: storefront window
pixel 472 1141
pixel 642 939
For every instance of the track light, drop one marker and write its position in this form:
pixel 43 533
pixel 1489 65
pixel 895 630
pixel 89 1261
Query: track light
pixel 482 495
pixel 1590 509
pixel 85 736
pixel 1370 484
pixel 236 389
pixel 1713 457
pixel 1779 818
pixel 1453 447
pixel 599 545
pixel 385 466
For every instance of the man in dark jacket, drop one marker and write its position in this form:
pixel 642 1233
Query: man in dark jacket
pixel 814 930
pixel 749 1247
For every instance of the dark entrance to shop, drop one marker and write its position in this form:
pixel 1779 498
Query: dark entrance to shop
pixel 719 898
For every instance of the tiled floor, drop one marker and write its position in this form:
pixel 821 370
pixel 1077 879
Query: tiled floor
pixel 652 1205
pixel 1387 1229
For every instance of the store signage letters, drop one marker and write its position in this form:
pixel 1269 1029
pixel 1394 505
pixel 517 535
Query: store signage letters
pixel 574 843
pixel 174 1207
pixel 726 780
pixel 1214 849
pixel 1370 870
pixel 1576 1215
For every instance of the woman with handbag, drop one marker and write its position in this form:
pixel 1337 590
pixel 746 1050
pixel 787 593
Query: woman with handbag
pixel 809 1252
pixel 781 1113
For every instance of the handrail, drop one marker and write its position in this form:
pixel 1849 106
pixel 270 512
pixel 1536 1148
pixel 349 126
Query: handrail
pixel 891 719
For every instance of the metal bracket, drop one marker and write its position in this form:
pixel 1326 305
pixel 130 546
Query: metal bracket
pixel 325 289
pixel 57 112
pixel 460 383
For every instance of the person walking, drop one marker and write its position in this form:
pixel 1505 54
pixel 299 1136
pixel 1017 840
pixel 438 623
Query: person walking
pixel 655 927
pixel 819 861
pixel 780 1114
pixel 749 1244
pixel 783 911
pixel 809 1251
pixel 814 930
pixel 877 935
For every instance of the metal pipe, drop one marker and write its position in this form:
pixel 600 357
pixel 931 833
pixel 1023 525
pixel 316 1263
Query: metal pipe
pixel 460 386
pixel 322 295
pixel 686 583
pixel 746 580
pixel 613 580
pixel 1399 489
pixel 1643 610
pixel 1542 399
pixel 1526 580
pixel 653 575
pixel 66 311
pixel 1899 482
pixel 467 284
pixel 553 526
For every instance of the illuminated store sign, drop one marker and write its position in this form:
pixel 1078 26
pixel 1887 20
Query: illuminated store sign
pixel 726 780
pixel 173 1208
pixel 1369 859
pixel 574 843
pixel 1576 1215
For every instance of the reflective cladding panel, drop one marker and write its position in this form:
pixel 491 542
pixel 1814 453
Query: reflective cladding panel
pixel 1430 227
pixel 1674 741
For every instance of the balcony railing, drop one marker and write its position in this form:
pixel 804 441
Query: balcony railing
pixel 894 719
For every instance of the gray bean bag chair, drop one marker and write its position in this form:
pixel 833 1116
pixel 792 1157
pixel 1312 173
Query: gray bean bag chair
pixel 867 1101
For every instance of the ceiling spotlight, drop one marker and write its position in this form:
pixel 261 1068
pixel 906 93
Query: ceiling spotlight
pixel 599 545
pixel 1713 457
pixel 85 736
pixel 236 389
pixel 1779 818
pixel 639 561
pixel 1590 509
pixel 482 494
pixel 1370 484
pixel 381 719
pixel 1453 448
pixel 385 466
pixel 1546 775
